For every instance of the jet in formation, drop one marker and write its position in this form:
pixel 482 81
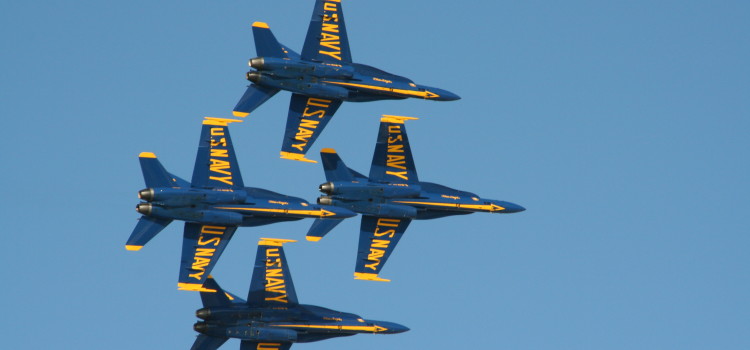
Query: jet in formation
pixel 320 78
pixel 272 318
pixel 392 196
pixel 213 204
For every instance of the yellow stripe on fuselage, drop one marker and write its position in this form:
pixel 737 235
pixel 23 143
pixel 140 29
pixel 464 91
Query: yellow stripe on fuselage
pixel 487 207
pixel 321 212
pixel 422 94
pixel 374 329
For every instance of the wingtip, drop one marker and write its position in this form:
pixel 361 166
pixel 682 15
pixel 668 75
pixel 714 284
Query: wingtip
pixel 313 238
pixel 260 25
pixel 133 248
pixel 219 121
pixel 276 242
pixel 296 156
pixel 194 287
pixel 369 277
pixel 146 155
pixel 395 119
pixel 240 114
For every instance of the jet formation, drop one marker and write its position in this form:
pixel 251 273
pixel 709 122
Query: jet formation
pixel 392 196
pixel 213 204
pixel 320 78
pixel 272 317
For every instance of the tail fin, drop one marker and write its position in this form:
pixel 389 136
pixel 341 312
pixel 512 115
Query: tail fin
pixel 321 227
pixel 154 173
pixel 266 44
pixel 334 167
pixel 144 231
pixel 221 298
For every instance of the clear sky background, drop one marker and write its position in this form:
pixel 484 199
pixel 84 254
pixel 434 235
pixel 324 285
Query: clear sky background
pixel 622 126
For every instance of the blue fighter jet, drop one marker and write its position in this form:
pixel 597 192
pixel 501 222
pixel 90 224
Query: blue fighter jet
pixel 272 318
pixel 213 204
pixel 320 78
pixel 391 196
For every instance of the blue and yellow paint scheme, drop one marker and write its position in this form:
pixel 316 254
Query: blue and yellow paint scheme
pixel 214 204
pixel 319 78
pixel 391 196
pixel 272 318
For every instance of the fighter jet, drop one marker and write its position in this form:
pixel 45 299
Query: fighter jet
pixel 213 204
pixel 320 78
pixel 392 196
pixel 272 318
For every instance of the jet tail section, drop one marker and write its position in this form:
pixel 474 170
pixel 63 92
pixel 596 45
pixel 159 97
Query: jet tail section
pixel 154 173
pixel 221 298
pixel 334 166
pixel 146 229
pixel 266 44
pixel 207 342
pixel 321 227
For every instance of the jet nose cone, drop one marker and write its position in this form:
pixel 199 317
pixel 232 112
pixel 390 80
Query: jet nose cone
pixel 389 327
pixel 433 93
pixel 511 207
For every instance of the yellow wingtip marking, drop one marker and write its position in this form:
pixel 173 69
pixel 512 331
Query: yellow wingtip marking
pixel 146 155
pixel 395 119
pixel 194 287
pixel 240 114
pixel 369 277
pixel 328 150
pixel 219 121
pixel 260 25
pixel 134 248
pixel 296 156
pixel 313 238
pixel 276 242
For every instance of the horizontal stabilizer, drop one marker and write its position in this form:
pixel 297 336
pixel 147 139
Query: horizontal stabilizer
pixel 220 298
pixel 154 173
pixel 144 231
pixel 266 44
pixel 253 97
pixel 207 342
pixel 321 227
pixel 334 166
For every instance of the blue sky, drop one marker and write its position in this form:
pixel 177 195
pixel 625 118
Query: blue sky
pixel 621 125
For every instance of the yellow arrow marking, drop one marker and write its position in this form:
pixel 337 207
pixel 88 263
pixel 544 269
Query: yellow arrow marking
pixel 423 94
pixel 487 207
pixel 320 213
pixel 374 329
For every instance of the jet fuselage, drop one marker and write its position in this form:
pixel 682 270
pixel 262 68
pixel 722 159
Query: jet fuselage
pixel 345 81
pixel 242 207
pixel 300 323
pixel 414 201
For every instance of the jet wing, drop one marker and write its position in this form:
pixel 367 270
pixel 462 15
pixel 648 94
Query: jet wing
pixel 326 38
pixel 254 345
pixel 377 239
pixel 216 164
pixel 271 284
pixel 307 118
pixel 205 342
pixel 202 246
pixel 392 161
